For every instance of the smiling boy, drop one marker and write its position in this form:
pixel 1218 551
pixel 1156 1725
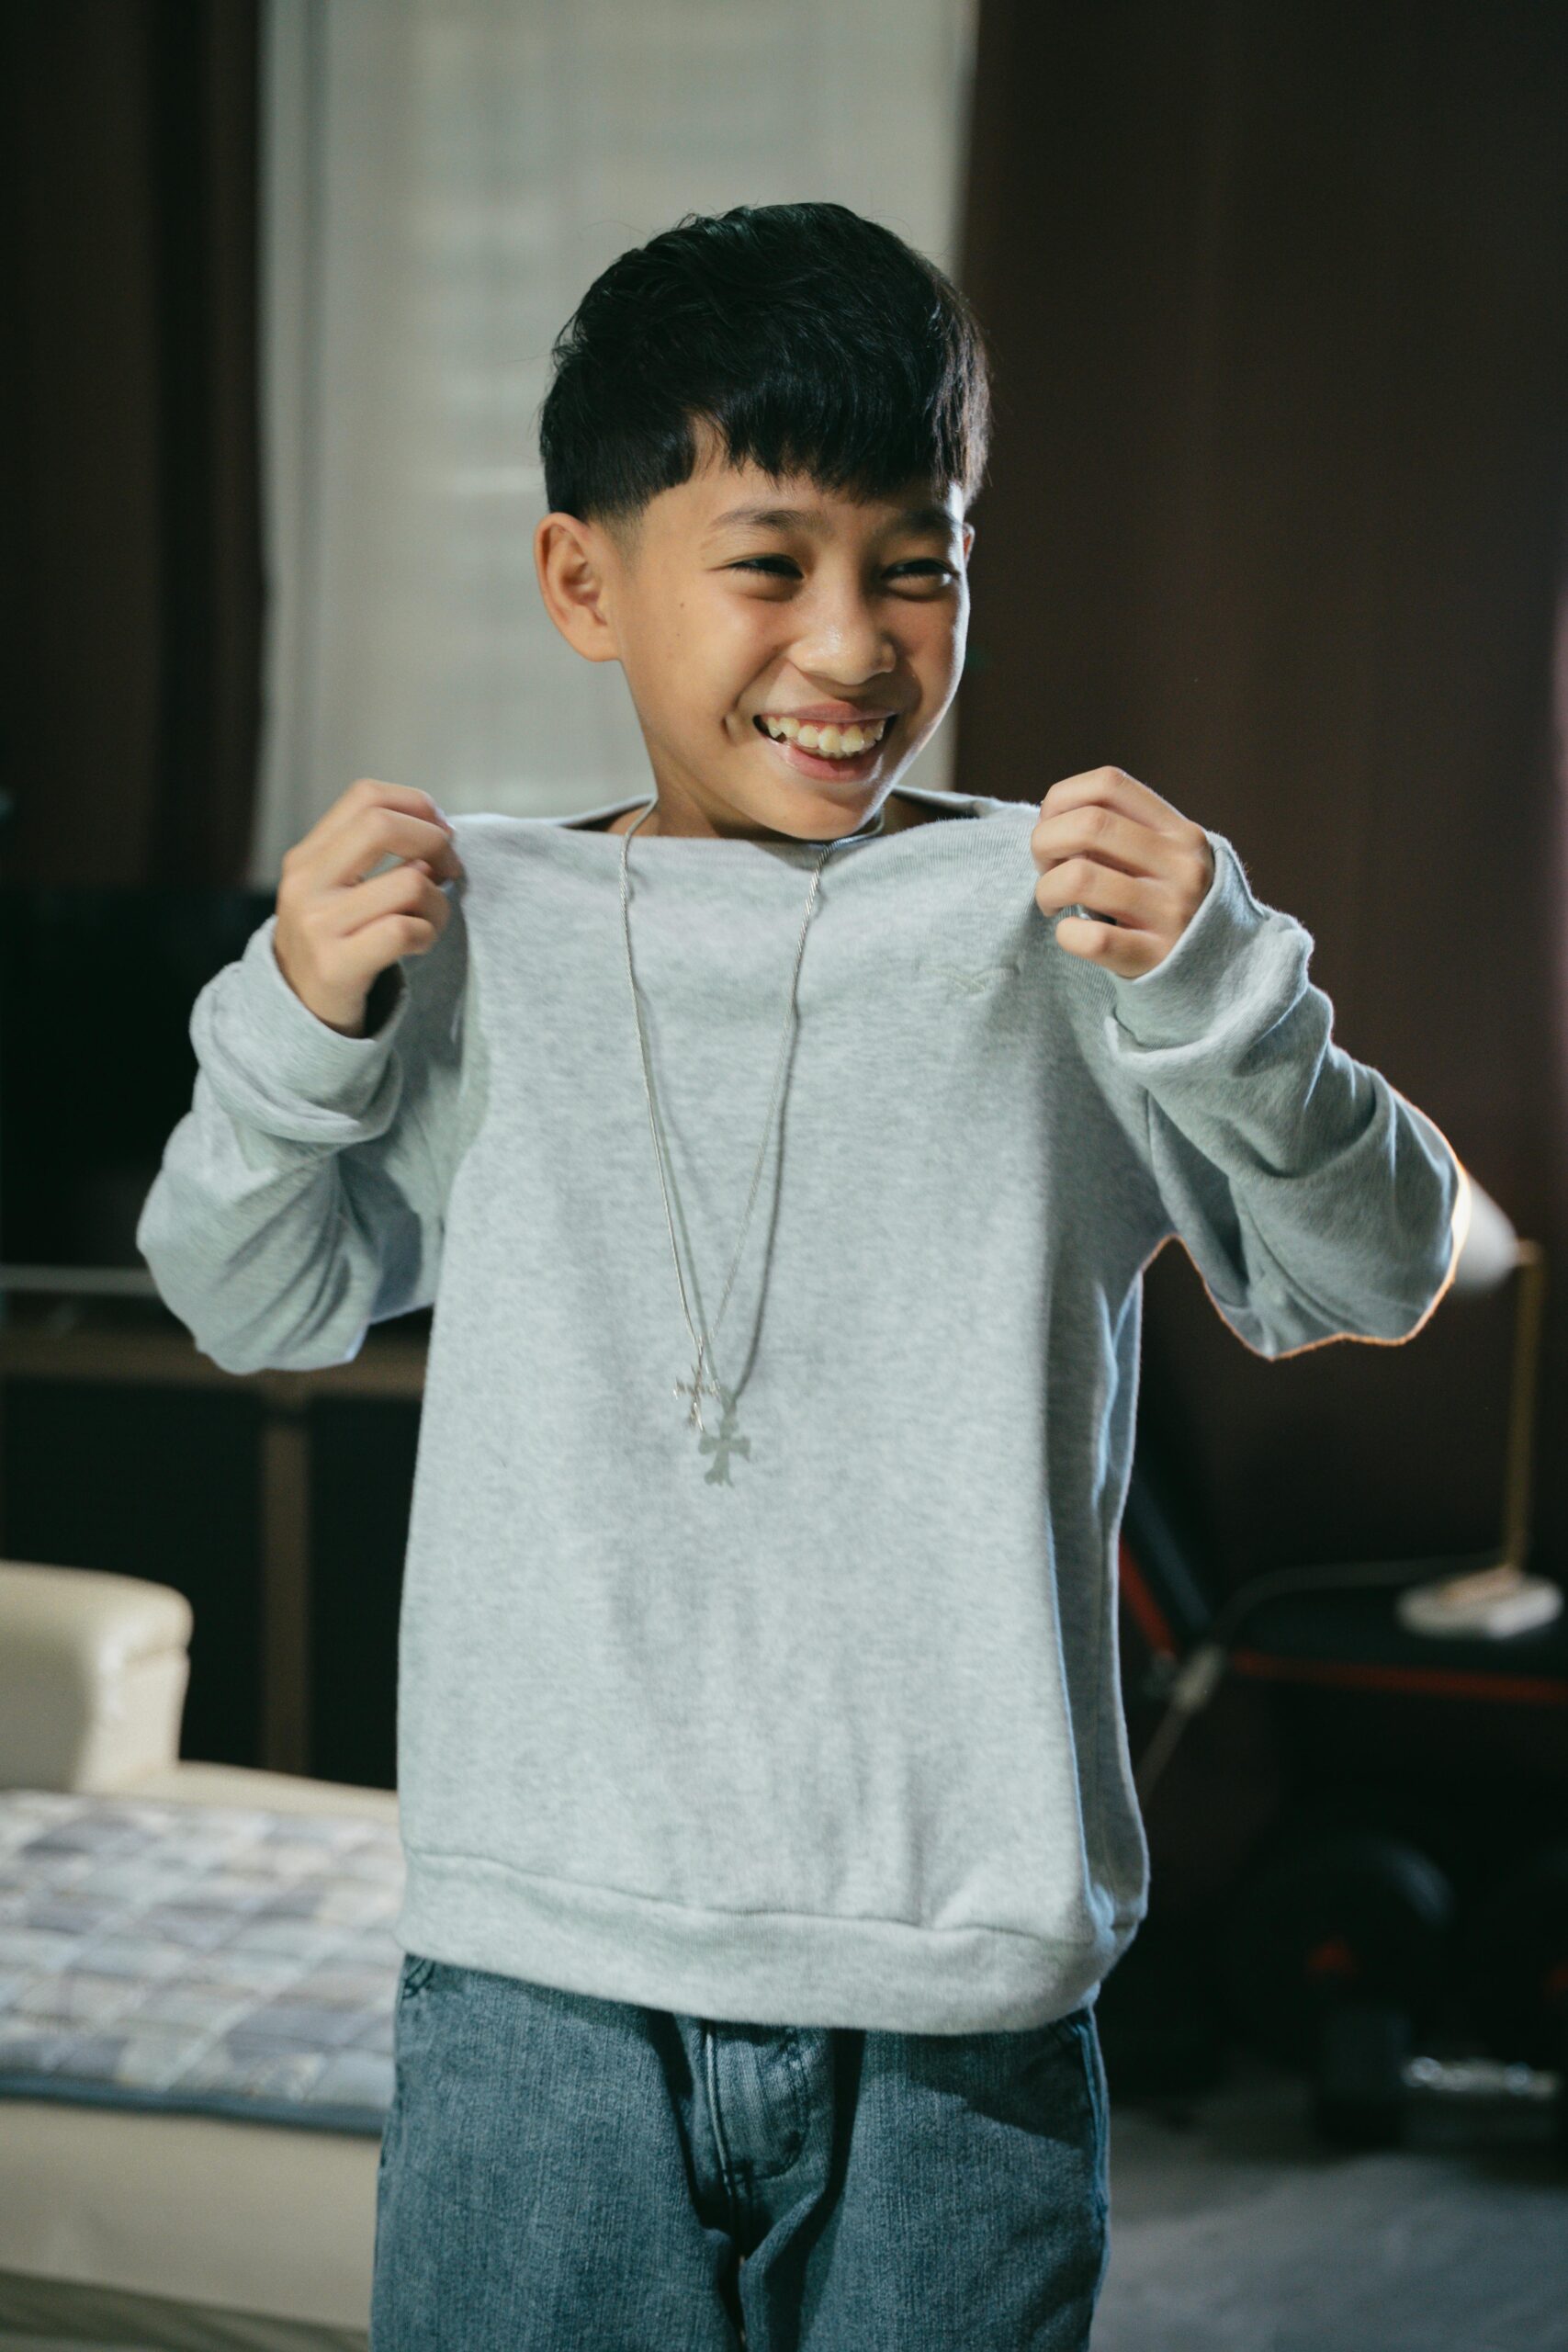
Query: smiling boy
pixel 727 604
pixel 783 1186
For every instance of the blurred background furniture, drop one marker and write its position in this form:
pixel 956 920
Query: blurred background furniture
pixel 1397 1925
pixel 124 2227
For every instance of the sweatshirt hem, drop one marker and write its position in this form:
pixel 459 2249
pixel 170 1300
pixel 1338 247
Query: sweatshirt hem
pixel 774 1968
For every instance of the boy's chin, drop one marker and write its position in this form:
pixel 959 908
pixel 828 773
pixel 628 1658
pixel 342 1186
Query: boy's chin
pixel 787 787
pixel 817 814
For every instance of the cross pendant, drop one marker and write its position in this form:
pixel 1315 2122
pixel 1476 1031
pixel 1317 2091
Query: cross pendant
pixel 696 1388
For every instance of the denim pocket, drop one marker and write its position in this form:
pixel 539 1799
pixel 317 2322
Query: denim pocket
pixel 416 1973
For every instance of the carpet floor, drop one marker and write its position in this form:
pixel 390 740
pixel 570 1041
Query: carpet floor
pixel 1234 2228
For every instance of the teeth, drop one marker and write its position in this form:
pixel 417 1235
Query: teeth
pixel 827 742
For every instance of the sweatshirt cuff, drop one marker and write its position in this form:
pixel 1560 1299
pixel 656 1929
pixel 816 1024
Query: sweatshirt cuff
pixel 277 1066
pixel 1197 981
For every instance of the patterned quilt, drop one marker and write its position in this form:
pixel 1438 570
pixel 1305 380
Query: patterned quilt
pixel 217 1959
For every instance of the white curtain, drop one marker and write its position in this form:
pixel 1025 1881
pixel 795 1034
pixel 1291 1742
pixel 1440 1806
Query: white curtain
pixel 442 180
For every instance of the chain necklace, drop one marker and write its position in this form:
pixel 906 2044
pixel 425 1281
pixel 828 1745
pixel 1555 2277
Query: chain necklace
pixel 728 1439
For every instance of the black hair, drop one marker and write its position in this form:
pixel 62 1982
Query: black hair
pixel 812 340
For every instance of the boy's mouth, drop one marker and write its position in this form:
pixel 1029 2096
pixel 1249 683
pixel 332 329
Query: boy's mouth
pixel 806 759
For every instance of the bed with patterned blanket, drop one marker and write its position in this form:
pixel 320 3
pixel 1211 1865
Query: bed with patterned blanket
pixel 220 1959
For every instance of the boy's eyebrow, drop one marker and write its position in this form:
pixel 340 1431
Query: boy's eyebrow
pixel 785 518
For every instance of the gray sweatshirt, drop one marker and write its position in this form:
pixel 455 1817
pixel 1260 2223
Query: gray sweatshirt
pixel 819 1723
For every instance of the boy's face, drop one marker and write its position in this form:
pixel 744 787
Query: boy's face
pixel 717 621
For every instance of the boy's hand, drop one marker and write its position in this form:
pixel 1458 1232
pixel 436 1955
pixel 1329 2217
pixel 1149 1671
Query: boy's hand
pixel 339 923
pixel 1106 841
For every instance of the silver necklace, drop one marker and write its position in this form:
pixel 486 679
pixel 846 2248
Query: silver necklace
pixel 728 1439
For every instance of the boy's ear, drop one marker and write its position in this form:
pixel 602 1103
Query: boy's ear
pixel 571 560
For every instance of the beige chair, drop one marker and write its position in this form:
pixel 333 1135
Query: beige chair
pixel 119 2228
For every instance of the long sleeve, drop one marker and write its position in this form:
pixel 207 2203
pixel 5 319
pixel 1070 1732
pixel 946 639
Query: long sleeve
pixel 1315 1200
pixel 301 1198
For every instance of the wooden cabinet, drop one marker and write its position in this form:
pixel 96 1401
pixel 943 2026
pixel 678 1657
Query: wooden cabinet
pixel 276 1501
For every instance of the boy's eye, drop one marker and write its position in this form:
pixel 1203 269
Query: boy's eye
pixel 762 564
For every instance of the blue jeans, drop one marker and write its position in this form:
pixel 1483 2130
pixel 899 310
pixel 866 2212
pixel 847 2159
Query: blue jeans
pixel 565 2174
